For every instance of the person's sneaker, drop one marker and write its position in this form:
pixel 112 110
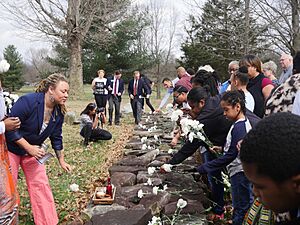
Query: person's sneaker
pixel 109 123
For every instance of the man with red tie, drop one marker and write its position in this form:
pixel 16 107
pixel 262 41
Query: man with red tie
pixel 136 88
pixel 116 88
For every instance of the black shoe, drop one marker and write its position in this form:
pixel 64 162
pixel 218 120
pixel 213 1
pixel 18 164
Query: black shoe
pixel 109 123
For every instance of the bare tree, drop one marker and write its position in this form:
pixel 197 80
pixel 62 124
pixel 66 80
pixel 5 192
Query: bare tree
pixel 282 21
pixel 70 22
pixel 39 62
pixel 160 37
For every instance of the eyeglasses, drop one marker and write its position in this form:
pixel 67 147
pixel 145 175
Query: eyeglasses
pixel 232 70
pixel 177 96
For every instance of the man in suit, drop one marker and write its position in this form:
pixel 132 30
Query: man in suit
pixel 115 86
pixel 136 88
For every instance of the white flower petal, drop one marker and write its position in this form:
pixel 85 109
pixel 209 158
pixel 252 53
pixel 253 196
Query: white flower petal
pixel 181 203
pixel 155 190
pixel 140 193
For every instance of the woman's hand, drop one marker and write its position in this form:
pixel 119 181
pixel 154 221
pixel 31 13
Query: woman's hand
pixel 66 167
pixel 36 151
pixel 216 149
pixel 12 123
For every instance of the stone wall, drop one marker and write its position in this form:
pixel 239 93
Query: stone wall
pixel 130 175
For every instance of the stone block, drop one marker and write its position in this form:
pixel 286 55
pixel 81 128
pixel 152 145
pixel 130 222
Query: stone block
pixel 123 179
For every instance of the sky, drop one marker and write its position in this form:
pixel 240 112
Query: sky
pixel 10 35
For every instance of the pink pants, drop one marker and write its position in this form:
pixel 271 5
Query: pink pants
pixel 41 198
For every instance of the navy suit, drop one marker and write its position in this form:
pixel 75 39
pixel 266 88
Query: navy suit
pixel 114 101
pixel 137 100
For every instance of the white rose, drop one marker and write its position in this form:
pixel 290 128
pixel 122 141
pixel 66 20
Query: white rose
pixel 167 167
pixel 4 66
pixel 181 203
pixel 140 193
pixel 143 139
pixel 155 190
pixel 151 170
pixel 74 187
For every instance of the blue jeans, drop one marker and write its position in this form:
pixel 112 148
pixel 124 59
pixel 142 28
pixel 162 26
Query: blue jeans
pixel 216 185
pixel 241 196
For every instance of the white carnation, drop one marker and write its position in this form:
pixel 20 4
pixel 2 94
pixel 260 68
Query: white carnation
pixel 4 66
pixel 167 167
pixel 176 114
pixel 74 187
pixel 151 170
pixel 143 139
pixel 155 190
pixel 140 193
pixel 181 203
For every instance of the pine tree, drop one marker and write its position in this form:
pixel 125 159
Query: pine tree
pixel 12 79
pixel 218 36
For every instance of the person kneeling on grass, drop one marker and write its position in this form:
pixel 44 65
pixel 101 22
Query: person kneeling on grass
pixel 90 119
pixel 270 155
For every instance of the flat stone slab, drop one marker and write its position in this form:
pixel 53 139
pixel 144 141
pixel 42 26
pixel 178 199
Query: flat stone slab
pixel 93 210
pixel 122 217
pixel 129 169
pixel 123 179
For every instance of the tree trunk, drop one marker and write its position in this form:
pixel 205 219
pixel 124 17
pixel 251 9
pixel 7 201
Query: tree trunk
pixel 75 68
pixel 295 26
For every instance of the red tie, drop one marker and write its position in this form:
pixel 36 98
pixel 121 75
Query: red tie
pixel 135 87
pixel 115 87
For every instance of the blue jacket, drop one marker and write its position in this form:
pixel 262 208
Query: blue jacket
pixel 30 109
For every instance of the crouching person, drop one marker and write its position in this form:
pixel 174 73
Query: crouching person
pixel 91 119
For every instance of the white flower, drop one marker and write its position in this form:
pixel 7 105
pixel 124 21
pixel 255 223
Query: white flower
pixel 149 182
pixel 191 136
pixel 181 203
pixel 4 66
pixel 140 193
pixel 169 106
pixel 143 139
pixel 155 190
pixel 176 114
pixel 207 68
pixel 151 170
pixel 156 137
pixel 155 221
pixel 144 147
pixel 167 167
pixel 170 151
pixel 74 187
pixel 165 187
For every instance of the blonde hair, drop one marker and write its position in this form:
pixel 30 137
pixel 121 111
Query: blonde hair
pixel 180 69
pixel 99 71
pixel 52 81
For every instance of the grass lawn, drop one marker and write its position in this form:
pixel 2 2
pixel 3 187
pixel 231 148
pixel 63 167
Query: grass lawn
pixel 89 165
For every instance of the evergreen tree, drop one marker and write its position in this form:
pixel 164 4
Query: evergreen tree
pixel 218 36
pixel 12 79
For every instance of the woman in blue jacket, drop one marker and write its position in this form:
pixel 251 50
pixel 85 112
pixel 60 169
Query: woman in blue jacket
pixel 41 115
